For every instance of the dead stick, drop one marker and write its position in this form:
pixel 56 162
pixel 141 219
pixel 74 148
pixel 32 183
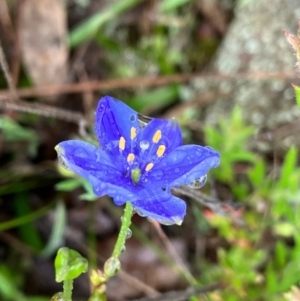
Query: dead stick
pixel 140 82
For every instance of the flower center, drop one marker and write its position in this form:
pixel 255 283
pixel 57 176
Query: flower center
pixel 135 175
pixel 141 161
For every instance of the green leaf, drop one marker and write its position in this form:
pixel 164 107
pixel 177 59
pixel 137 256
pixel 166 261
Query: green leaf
pixel 25 219
pixel 169 5
pixel 58 230
pixel 69 265
pixel 258 173
pixel 69 185
pixel 14 132
pixel 88 29
pixel 242 156
pixel 297 93
pixel 281 254
pixel 271 278
pixel 290 276
pixel 28 231
pixel 154 99
pixel 284 229
pixel 89 195
pixel 288 167
pixel 8 287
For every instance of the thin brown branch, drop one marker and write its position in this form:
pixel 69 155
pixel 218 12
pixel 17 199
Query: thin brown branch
pixel 44 110
pixel 12 93
pixel 225 208
pixel 10 39
pixel 138 284
pixel 185 294
pixel 200 197
pixel 173 253
pixel 112 84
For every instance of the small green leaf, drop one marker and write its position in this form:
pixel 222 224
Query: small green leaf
pixel 28 231
pixel 69 265
pixel 297 93
pixel 271 279
pixel 69 185
pixel 8 286
pixel 170 5
pixel 14 132
pixel 58 230
pixel 284 229
pixel 288 167
pixel 258 173
pixel 88 29
pixel 242 156
pixel 281 254
pixel 154 99
pixel 88 197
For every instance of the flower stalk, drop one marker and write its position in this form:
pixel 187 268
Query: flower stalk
pixel 67 287
pixel 126 221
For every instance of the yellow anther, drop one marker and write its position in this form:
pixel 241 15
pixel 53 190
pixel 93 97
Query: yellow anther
pixel 122 143
pixel 157 136
pixel 130 157
pixel 132 133
pixel 161 150
pixel 149 166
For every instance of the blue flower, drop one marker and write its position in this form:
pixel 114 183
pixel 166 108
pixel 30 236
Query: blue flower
pixel 138 162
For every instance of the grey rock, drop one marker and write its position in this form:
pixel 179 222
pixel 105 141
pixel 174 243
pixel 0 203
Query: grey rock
pixel 255 43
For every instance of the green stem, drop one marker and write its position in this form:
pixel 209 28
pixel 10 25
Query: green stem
pixel 126 221
pixel 68 287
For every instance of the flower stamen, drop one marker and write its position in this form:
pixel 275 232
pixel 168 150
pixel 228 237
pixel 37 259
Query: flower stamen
pixel 149 166
pixel 161 150
pixel 157 136
pixel 122 143
pixel 132 133
pixel 130 158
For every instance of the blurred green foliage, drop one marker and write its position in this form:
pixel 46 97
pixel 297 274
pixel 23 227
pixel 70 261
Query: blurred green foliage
pixel 12 131
pixel 262 260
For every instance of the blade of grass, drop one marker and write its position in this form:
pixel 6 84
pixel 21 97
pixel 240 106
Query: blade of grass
pixel 22 185
pixel 25 219
pixel 89 28
pixel 154 99
pixel 169 5
pixel 28 231
pixel 8 287
pixel 58 230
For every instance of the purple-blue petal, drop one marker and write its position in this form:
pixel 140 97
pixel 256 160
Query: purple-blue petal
pixel 184 165
pixel 160 206
pixel 93 164
pixel 170 133
pixel 114 120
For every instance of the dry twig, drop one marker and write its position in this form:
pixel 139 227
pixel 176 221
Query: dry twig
pixel 112 84
pixel 183 295
pixel 12 93
pixel 172 251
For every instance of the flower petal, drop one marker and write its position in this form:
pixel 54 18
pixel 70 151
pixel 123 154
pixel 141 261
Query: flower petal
pixel 89 162
pixel 99 169
pixel 158 138
pixel 161 206
pixel 184 165
pixel 170 133
pixel 114 119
